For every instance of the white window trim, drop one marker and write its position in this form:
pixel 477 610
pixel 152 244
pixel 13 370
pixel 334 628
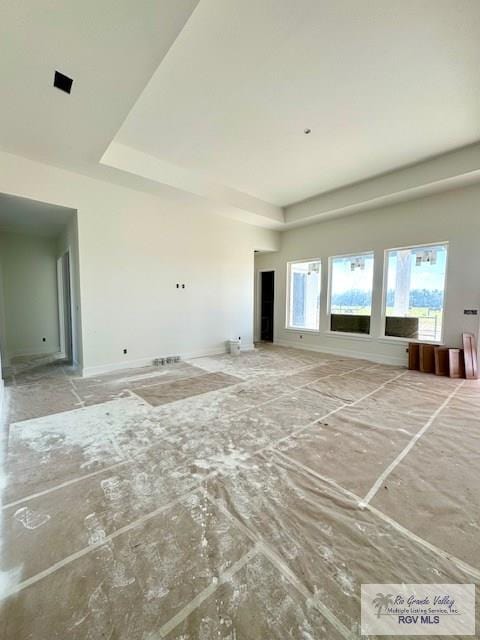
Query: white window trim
pixel 329 332
pixel 383 337
pixel 288 327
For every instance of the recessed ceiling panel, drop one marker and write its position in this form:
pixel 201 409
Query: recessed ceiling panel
pixel 378 84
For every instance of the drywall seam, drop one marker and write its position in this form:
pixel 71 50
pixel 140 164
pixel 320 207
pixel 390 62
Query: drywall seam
pixel 381 479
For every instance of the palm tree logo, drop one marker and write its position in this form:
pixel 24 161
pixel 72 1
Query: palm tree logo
pixel 382 602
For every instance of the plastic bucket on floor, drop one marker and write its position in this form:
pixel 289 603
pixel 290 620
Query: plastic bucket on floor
pixel 234 347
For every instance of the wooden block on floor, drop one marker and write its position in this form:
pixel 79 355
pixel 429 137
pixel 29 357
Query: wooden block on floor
pixel 427 358
pixel 413 356
pixel 456 363
pixel 470 356
pixel 441 361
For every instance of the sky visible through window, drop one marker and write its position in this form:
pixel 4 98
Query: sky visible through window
pixel 425 276
pixel 415 289
pixel 351 285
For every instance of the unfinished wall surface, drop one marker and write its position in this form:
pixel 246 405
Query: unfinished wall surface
pixel 451 216
pixel 134 248
pixel 29 275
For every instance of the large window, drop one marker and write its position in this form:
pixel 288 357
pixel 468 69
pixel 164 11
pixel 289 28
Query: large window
pixel 415 292
pixel 351 293
pixel 304 295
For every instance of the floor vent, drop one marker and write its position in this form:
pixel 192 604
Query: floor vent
pixel 160 362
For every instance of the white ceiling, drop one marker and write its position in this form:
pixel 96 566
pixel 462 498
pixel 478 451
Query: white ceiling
pixel 109 47
pixel 381 85
pixel 21 215
pixel 214 95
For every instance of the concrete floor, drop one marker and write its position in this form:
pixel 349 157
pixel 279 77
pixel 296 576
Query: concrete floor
pixel 233 498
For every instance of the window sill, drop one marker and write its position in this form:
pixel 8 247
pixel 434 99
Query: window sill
pixel 297 330
pixel 437 343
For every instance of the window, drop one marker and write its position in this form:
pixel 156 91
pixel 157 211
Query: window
pixel 351 293
pixel 415 292
pixel 304 295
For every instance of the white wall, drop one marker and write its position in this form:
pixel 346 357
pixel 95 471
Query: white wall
pixel 30 294
pixel 133 248
pixel 451 216
pixel 68 241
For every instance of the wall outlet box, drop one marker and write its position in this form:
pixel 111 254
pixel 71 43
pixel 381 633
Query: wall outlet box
pixel 470 312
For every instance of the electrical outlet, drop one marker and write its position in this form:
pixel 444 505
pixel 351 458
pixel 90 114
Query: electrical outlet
pixel 44 339
pixel 124 352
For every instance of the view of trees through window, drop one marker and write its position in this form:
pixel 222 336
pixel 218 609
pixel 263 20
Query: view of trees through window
pixel 351 285
pixel 415 291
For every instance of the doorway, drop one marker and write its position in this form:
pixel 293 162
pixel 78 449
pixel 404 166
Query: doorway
pixel 267 299
pixel 65 306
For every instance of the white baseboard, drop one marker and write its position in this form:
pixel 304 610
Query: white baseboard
pixel 43 351
pixel 347 353
pixel 87 372
pixel 98 370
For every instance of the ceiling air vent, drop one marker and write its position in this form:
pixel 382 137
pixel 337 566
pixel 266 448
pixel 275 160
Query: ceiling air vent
pixel 62 82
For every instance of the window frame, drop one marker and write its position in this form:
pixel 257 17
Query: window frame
pixel 351 254
pixel 383 336
pixel 290 263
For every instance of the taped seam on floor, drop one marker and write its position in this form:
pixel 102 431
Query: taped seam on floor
pixel 142 450
pixel 284 569
pixel 67 483
pixel 460 564
pixel 74 392
pixel 331 413
pixel 261 404
pixel 207 592
pixel 86 550
pixel 146 517
pixel 58 565
pixel 381 479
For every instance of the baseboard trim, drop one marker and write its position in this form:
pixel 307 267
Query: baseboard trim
pixel 359 355
pixel 33 352
pixel 88 372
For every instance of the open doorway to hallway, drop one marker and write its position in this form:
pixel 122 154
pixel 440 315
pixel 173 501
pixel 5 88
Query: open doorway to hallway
pixel 38 290
pixel 267 301
pixel 64 294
